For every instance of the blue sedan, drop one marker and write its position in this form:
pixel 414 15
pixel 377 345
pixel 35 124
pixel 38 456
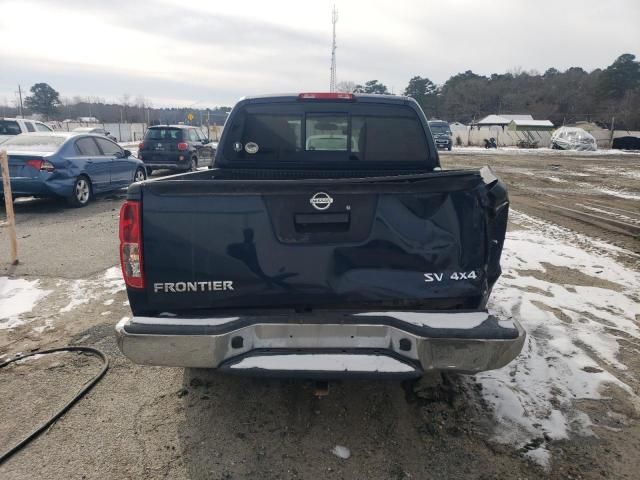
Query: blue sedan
pixel 75 166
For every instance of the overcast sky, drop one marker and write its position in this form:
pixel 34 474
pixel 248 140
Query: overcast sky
pixel 209 53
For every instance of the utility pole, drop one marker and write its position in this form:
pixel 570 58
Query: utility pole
pixel 20 95
pixel 332 81
pixel 613 122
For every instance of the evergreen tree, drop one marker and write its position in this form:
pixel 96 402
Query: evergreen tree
pixel 43 99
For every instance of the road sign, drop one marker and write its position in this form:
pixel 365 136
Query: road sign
pixel 190 117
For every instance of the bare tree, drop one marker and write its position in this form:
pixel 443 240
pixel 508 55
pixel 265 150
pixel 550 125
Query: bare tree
pixel 125 101
pixel 346 86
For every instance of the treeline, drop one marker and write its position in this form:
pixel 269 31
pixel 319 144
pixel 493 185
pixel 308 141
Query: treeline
pixel 140 113
pixel 562 97
pixel 44 100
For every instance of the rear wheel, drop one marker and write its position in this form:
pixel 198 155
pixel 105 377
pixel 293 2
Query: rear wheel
pixel 81 195
pixel 139 175
pixel 449 148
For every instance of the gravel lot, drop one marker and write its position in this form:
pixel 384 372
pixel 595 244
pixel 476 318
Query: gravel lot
pixel 578 215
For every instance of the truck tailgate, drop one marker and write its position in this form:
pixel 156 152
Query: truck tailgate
pixel 428 241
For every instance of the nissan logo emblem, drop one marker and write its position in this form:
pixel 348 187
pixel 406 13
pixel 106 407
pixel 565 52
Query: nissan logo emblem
pixel 321 201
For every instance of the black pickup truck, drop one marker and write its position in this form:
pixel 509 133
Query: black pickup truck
pixel 327 241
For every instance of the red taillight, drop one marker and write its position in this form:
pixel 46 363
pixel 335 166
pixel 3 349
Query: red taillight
pixel 140 145
pixel 131 244
pixel 183 146
pixel 326 96
pixel 37 164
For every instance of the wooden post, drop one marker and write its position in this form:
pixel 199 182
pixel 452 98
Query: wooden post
pixel 8 202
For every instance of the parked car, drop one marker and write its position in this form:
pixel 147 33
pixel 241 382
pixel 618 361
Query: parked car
pixel 357 257
pixel 75 166
pixel 441 132
pixel 175 147
pixel 9 127
pixel 573 138
pixel 97 131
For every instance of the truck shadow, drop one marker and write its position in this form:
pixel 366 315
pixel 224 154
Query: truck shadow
pixel 240 427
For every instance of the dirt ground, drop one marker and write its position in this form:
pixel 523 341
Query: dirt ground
pixel 149 422
pixel 598 195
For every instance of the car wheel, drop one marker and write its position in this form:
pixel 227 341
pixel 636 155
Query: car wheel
pixel 449 148
pixel 139 176
pixel 82 194
pixel 193 166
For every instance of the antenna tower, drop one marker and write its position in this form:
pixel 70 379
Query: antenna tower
pixel 332 81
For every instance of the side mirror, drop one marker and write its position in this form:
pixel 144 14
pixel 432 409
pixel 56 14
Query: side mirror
pixel 127 153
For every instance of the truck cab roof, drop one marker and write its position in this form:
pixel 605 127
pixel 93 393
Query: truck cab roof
pixel 325 130
pixel 324 96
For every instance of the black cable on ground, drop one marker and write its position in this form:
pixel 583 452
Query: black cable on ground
pixel 78 396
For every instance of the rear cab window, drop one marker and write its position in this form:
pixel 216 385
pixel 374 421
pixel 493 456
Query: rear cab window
pixel 440 128
pixel 9 127
pixel 318 133
pixel 30 127
pixel 166 134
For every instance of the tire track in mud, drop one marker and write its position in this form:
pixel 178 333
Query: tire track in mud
pixel 629 228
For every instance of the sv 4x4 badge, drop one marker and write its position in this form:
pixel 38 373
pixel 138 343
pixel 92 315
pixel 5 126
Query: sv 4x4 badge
pixel 439 277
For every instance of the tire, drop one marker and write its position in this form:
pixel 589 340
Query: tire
pixel 140 175
pixel 82 192
pixel 193 166
pixel 449 148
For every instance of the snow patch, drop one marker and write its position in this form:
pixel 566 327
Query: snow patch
pixel 572 347
pixel 17 297
pixel 83 291
pixel 544 151
pixel 619 193
pixel 565 235
pixel 556 179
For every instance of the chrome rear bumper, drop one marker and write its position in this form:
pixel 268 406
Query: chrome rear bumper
pixel 383 343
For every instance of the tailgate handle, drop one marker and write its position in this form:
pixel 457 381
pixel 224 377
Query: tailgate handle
pixel 322 222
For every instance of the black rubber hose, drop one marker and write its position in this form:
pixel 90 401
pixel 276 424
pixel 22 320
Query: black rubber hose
pixel 78 396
